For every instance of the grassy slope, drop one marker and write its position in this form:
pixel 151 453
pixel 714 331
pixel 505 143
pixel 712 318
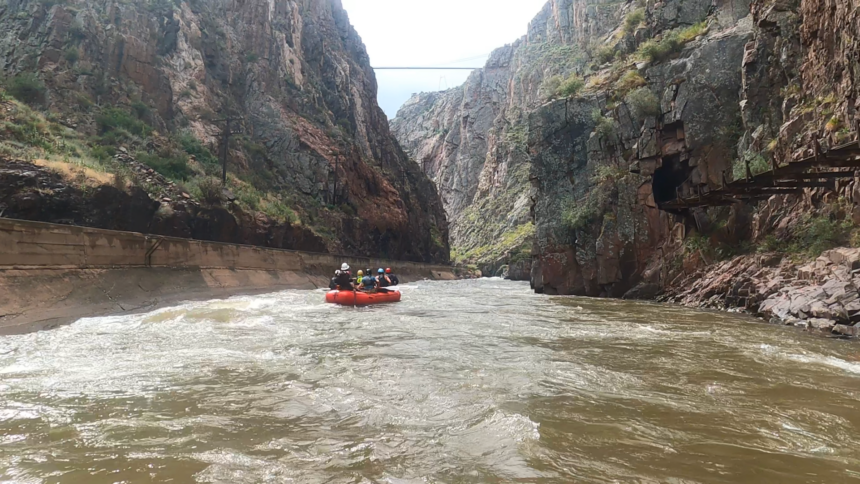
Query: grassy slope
pixel 31 135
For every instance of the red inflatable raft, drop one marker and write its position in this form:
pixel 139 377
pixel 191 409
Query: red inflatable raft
pixel 358 298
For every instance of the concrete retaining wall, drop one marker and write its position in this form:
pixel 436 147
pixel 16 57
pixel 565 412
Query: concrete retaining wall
pixel 52 274
pixel 35 244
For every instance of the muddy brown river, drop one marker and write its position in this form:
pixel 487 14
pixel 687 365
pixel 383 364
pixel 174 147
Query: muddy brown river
pixel 462 382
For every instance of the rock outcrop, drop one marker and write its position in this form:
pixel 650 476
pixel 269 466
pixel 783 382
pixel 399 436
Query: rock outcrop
pixel 822 295
pixel 601 166
pixel 292 74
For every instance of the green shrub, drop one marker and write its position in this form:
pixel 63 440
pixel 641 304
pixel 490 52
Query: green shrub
pixel 604 126
pixel 816 232
pixel 113 119
pixel 671 43
pixel 634 19
pixel 255 150
pixel 76 31
pixel 772 244
pixel 521 254
pixel 172 167
pixel 630 80
pixel 278 210
pixel 27 132
pixel 819 233
pixel 580 215
pixel 12 149
pixel 141 110
pixel 436 236
pixel 72 55
pixel 606 54
pixel 608 173
pixel 571 86
pixel 252 57
pixel 696 242
pixel 550 86
pixel 690 33
pixel 102 153
pixel 27 88
pixel 207 190
pixel 115 137
pixel 660 50
pixel 643 103
pixel 195 148
pixel 248 196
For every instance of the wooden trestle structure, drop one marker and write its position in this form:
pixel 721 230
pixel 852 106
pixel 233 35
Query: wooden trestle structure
pixel 817 171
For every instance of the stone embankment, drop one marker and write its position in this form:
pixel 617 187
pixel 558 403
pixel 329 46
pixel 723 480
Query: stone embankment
pixel 823 295
pixel 54 274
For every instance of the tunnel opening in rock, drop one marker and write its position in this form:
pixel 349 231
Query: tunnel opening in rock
pixel 669 177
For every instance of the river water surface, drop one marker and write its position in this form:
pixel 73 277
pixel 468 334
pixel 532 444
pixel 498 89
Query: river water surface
pixel 462 382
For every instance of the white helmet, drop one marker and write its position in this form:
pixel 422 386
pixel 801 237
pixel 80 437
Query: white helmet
pixel 344 267
pixel 337 273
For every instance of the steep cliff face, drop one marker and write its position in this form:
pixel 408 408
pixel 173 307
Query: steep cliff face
pixel 646 108
pixel 656 129
pixel 694 95
pixel 292 74
pixel 472 140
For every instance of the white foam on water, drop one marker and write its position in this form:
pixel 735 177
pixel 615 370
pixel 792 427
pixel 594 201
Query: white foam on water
pixel 830 361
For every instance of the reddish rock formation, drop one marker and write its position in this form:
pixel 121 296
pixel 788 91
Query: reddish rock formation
pixel 294 73
pixel 822 295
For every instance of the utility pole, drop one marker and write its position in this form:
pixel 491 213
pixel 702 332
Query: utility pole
pixel 225 146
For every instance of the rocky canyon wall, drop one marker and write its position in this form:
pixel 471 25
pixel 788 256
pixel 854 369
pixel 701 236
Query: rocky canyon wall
pixel 472 140
pixel 658 100
pixel 649 131
pixel 294 76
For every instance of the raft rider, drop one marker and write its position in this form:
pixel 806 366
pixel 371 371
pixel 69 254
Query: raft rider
pixel 391 277
pixel 342 280
pixel 368 283
pixel 382 279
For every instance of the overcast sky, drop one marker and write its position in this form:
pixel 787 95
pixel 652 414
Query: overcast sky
pixel 421 33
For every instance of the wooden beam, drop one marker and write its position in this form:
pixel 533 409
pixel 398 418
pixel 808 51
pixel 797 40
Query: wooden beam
pixel 811 176
pixel 773 190
pixel 781 183
pixel 789 179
